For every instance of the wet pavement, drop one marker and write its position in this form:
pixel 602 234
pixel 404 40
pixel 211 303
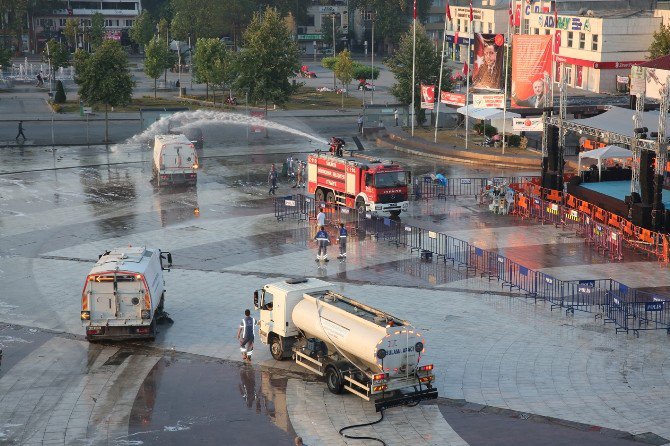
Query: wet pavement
pixel 60 209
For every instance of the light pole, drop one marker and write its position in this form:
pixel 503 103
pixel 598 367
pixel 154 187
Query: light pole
pixel 372 75
pixel 334 48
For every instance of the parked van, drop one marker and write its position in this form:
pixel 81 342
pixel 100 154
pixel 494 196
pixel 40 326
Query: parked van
pixel 175 160
pixel 124 294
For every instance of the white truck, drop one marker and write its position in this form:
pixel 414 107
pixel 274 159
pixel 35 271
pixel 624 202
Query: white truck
pixel 360 349
pixel 175 160
pixel 124 294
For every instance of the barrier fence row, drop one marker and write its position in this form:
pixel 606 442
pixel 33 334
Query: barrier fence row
pixel 430 187
pixel 613 302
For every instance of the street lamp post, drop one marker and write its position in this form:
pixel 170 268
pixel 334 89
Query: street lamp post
pixel 372 75
pixel 334 49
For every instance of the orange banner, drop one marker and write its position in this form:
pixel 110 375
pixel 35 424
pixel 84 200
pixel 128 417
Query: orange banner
pixel 531 61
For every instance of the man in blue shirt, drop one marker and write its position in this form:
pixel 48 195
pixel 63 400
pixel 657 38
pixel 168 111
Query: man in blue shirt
pixel 322 241
pixel 343 241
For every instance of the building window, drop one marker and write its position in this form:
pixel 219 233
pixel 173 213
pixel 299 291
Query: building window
pixel 547 32
pixel 582 41
pixel 458 25
pixel 594 42
pixel 62 22
pixel 526 26
pixel 310 20
pixel 129 23
pixel 570 36
pixel 490 27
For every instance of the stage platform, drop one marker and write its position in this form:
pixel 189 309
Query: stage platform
pixel 619 190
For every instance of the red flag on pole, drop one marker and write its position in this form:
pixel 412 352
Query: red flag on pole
pixel 414 9
pixel 511 14
pixel 472 15
pixel 555 14
pixel 448 11
pixel 465 69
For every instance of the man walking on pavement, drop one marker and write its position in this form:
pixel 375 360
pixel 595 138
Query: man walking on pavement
pixel 245 334
pixel 343 242
pixel 323 241
pixel 395 116
pixel 272 180
pixel 360 123
pixel 320 219
pixel 20 132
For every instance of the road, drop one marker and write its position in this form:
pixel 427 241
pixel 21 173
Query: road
pixel 499 358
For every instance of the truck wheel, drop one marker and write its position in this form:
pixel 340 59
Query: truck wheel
pixel 330 197
pixel 318 195
pixel 334 380
pixel 152 334
pixel 277 348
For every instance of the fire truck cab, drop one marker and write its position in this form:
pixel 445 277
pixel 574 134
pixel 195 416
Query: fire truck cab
pixel 374 186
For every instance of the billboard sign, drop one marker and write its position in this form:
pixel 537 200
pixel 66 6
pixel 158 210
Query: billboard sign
pixel 531 62
pixel 527 124
pixel 487 73
pixel 656 82
pixel 452 98
pixel 427 96
pixel 488 100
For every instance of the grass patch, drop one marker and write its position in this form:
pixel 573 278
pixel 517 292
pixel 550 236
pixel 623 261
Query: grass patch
pixel 310 99
pixel 135 105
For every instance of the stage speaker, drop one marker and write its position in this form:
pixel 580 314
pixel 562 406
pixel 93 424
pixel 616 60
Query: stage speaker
pixel 647 158
pixel 641 215
pixel 666 226
pixel 552 148
pixel 632 99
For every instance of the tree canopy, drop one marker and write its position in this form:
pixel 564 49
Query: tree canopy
pixel 103 77
pixel 660 45
pixel 157 59
pixel 143 29
pixel 71 31
pixel 97 29
pixel 269 57
pixel 427 69
pixel 56 53
pixel 209 62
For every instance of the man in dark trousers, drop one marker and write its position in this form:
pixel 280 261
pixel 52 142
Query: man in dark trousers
pixel 323 241
pixel 343 242
pixel 245 334
pixel 20 132
pixel 272 180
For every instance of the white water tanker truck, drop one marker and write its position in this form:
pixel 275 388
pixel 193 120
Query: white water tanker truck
pixel 357 348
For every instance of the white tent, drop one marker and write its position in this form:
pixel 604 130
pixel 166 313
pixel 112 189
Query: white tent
pixel 495 115
pixel 607 152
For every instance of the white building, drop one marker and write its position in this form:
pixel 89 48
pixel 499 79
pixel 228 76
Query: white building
pixel 119 18
pixel 599 39
pixel 310 34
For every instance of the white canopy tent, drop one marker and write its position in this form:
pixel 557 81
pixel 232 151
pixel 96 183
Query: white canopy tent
pixel 607 152
pixel 495 115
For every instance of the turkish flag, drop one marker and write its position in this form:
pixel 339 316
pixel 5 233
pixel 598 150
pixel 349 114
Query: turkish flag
pixel 472 14
pixel 456 38
pixel 414 9
pixel 557 41
pixel 465 69
pixel 448 12
pixel 517 15
pixel 427 96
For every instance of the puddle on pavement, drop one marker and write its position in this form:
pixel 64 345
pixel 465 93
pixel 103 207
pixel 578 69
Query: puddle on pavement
pixel 192 401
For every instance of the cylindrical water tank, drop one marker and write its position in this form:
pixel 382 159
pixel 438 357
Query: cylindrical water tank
pixel 358 335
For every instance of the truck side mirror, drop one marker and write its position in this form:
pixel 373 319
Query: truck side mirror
pixel 169 259
pixel 256 306
pixel 409 177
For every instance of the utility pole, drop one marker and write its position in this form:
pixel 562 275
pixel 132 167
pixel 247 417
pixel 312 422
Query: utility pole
pixel 334 49
pixel 372 76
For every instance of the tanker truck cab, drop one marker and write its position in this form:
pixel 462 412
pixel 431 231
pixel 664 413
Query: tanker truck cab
pixel 355 347
pixel 385 186
pixel 124 293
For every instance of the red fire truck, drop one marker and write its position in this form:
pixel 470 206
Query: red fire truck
pixel 375 186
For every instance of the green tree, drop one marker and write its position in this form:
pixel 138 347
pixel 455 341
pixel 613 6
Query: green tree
pixel 59 97
pixel 392 18
pixel 427 70
pixel 327 32
pixel 209 63
pixel 56 55
pixel 360 71
pixel 143 29
pixel 71 31
pixel 198 18
pixel 157 59
pixel 660 44
pixel 5 57
pixel 104 78
pixel 344 70
pixel 97 29
pixel 269 57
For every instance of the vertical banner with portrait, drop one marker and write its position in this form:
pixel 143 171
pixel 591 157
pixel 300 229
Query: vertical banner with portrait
pixel 487 72
pixel 531 61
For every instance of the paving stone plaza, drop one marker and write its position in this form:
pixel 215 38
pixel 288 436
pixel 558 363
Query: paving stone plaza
pixel 490 347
